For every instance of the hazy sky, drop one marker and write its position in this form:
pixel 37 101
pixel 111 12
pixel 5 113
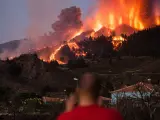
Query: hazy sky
pixel 16 16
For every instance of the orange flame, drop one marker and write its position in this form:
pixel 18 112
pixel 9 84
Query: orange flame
pixel 81 53
pixel 111 21
pixel 115 38
pixel 117 41
pixel 120 21
pixel 73 45
pixel 77 34
pixel 98 26
pixel 52 57
pixel 111 14
pixel 158 21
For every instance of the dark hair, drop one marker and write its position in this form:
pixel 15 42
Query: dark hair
pixel 94 88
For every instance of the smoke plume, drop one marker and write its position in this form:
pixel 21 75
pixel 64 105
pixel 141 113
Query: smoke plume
pixel 68 24
pixel 42 13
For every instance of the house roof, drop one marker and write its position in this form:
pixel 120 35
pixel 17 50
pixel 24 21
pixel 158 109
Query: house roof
pixel 51 99
pixel 105 99
pixel 143 86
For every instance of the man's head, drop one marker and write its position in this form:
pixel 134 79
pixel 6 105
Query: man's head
pixel 90 85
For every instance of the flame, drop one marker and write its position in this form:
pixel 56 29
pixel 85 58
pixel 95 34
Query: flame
pixel 11 58
pixel 157 16
pixel 60 62
pixel 131 16
pixel 98 26
pixel 111 14
pixel 81 53
pixel 52 57
pixel 115 38
pixel 70 44
pixel 77 34
pixel 158 21
pixel 120 21
pixel 111 21
pixel 73 45
pixel 117 41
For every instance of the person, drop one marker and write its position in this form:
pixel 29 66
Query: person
pixel 87 96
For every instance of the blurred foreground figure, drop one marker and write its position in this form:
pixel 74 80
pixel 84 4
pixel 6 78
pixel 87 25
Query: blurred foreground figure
pixel 87 95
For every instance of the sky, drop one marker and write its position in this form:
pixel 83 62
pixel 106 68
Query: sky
pixel 18 16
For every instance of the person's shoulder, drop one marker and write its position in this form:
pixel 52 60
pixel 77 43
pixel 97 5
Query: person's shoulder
pixel 111 110
pixel 112 113
pixel 64 116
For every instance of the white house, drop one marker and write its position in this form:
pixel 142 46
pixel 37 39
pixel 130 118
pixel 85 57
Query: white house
pixel 138 90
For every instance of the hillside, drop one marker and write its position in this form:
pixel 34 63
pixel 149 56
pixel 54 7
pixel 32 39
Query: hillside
pixel 29 73
pixel 126 66
pixel 9 46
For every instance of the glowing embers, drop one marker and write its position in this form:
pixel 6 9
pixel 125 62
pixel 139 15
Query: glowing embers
pixel 77 33
pixel 158 20
pixel 52 57
pixel 70 44
pixel 98 26
pixel 117 41
pixel 119 38
pixel 76 49
pixel 73 45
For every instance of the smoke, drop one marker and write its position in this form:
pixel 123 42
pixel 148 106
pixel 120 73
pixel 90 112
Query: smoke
pixel 42 13
pixel 68 24
pixel 23 47
pixel 157 7
pixel 108 13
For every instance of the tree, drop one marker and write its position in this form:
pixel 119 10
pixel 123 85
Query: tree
pixel 106 88
pixel 62 59
pixel 146 42
pixel 54 63
pixel 5 94
pixel 141 105
pixel 47 89
pixel 14 69
pixel 124 36
pixel 78 63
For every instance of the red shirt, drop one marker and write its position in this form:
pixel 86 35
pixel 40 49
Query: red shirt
pixel 92 112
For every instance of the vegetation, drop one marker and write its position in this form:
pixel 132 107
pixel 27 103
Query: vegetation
pixel 146 43
pixel 34 78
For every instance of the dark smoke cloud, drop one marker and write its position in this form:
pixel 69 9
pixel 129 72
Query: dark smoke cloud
pixel 68 24
pixel 42 13
pixel 147 8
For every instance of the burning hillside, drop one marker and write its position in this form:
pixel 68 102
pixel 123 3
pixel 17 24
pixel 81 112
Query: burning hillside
pixel 111 19
pixel 118 17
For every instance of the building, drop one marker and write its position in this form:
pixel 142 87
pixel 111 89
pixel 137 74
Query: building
pixel 51 99
pixel 135 91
